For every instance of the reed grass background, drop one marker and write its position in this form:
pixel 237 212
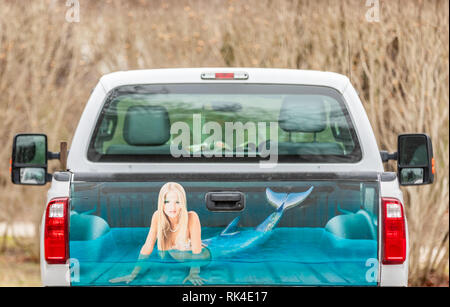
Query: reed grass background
pixel 399 65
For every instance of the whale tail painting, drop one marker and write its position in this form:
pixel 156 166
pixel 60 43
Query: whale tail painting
pixel 231 240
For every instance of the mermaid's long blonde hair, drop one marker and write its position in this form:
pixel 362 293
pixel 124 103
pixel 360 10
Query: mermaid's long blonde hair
pixel 163 221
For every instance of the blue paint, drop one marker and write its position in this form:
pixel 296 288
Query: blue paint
pixel 312 243
pixel 232 241
pixel 291 256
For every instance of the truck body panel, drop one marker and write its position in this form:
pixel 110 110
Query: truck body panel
pixel 329 239
pixel 111 194
pixel 78 162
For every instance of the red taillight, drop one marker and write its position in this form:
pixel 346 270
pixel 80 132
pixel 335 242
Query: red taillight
pixel 224 76
pixel 394 233
pixel 56 234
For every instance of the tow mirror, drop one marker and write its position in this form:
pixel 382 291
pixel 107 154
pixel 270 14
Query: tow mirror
pixel 29 159
pixel 415 159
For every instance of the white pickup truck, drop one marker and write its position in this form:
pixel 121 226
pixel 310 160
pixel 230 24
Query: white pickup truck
pixel 278 168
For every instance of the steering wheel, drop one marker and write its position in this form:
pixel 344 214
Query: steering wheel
pixel 263 145
pixel 218 146
pixel 248 146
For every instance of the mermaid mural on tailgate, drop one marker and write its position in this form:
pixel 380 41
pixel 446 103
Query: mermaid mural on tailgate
pixel 188 247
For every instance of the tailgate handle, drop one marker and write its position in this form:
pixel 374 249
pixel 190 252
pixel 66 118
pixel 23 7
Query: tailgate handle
pixel 225 197
pixel 225 201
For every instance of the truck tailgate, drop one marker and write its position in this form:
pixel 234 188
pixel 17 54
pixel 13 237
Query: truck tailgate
pixel 330 238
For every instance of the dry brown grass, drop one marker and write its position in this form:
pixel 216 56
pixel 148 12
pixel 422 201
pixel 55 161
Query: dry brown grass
pixel 399 66
pixel 17 268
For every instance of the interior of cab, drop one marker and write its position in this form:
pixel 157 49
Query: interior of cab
pixel 307 125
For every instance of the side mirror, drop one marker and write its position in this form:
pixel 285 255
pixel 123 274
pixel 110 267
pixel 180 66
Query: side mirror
pixel 415 159
pixel 29 159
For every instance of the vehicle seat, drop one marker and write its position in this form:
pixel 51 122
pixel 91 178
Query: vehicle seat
pixel 308 115
pixel 146 130
pixel 86 227
pixel 357 225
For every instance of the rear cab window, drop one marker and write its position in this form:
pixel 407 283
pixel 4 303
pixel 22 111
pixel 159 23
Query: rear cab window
pixel 224 122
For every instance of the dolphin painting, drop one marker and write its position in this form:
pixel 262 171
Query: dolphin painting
pixel 231 240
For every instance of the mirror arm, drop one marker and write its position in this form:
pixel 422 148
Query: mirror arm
pixel 386 156
pixel 48 177
pixel 61 155
pixel 53 155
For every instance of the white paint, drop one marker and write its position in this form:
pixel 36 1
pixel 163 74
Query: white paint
pixel 77 158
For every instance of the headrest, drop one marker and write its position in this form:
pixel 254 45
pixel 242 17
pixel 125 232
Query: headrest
pixel 302 114
pixel 146 125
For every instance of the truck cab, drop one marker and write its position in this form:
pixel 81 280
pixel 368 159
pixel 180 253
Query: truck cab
pixel 281 167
